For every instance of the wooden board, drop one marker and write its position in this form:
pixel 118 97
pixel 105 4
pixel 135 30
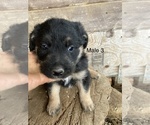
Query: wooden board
pixel 9 18
pixel 134 0
pixel 95 17
pixel 135 103
pixel 138 48
pixel 136 15
pixel 71 113
pixel 44 4
pixel 114 116
pixel 14 5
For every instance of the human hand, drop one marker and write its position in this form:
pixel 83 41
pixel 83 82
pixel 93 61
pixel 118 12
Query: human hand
pixel 9 72
pixel 36 78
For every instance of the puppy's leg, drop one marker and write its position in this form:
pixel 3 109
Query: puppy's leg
pixel 54 99
pixel 84 93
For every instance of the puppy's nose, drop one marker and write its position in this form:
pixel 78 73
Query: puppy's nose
pixel 58 71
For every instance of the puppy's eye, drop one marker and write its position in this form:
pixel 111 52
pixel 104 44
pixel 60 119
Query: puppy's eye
pixel 44 46
pixel 71 48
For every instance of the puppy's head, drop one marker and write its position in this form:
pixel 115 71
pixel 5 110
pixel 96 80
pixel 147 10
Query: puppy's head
pixel 15 41
pixel 59 45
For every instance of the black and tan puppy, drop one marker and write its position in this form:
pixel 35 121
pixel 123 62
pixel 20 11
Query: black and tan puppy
pixel 15 43
pixel 59 45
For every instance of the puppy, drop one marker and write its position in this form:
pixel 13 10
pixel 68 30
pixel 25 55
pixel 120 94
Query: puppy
pixel 15 43
pixel 59 45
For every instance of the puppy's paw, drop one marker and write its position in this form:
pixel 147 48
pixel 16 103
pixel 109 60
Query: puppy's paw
pixel 87 104
pixel 53 108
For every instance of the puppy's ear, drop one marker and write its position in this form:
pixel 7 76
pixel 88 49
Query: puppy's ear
pixel 32 38
pixel 6 42
pixel 82 34
pixel 85 37
pixel 32 42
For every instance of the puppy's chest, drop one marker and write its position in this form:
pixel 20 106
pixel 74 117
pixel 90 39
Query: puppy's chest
pixel 72 79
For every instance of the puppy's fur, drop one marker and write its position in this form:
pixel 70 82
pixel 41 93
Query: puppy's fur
pixel 59 45
pixel 15 43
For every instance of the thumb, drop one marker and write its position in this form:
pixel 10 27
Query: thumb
pixel 45 79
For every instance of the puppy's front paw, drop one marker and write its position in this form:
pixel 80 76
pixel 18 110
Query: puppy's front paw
pixel 53 108
pixel 87 104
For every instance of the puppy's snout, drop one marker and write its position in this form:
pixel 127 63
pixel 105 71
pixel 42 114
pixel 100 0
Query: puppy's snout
pixel 58 71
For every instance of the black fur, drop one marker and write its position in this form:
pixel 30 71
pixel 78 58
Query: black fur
pixel 56 43
pixel 52 33
pixel 15 42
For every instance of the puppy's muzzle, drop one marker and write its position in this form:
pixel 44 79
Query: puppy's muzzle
pixel 58 72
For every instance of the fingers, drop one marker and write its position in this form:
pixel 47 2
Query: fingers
pixel 10 80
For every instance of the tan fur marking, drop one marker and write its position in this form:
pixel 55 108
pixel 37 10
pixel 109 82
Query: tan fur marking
pixel 80 53
pixel 67 40
pixel 54 100
pixel 85 98
pixel 79 75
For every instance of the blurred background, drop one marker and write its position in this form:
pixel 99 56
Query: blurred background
pixel 120 30
pixel 13 62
